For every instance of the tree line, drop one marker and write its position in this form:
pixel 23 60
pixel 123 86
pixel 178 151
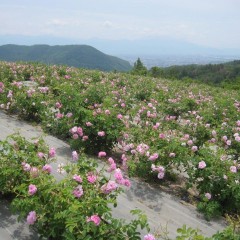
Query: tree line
pixel 224 74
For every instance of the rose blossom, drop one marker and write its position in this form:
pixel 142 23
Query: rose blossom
pixel 32 189
pixel 233 169
pixel 88 124
pixel 77 178
pixel 149 237
pixel 74 156
pixel 47 168
pixel 201 165
pixel 91 178
pixel 40 155
pixel 101 134
pixel 34 171
pixel 26 167
pixel 94 218
pixel 52 152
pixel 194 148
pixel 78 191
pixel 153 157
pixel 102 154
pixel 109 187
pixel 31 218
pixel 208 196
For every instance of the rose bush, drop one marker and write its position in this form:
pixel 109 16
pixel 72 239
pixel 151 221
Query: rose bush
pixel 179 123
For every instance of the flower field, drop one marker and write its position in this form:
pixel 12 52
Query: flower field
pixel 153 127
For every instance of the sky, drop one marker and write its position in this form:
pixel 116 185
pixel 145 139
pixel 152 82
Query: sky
pixel 208 23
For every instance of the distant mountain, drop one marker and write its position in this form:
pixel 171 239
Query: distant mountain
pixel 157 46
pixel 82 56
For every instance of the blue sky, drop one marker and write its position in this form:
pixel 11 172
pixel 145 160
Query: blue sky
pixel 210 23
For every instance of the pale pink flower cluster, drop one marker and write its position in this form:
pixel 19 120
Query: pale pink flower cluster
pixel 92 178
pixel 233 169
pixel 112 166
pixel 78 191
pixel 58 105
pixel 47 168
pixel 59 115
pixel 43 89
pixel 156 126
pixel 31 218
pixel 40 155
pixel 208 196
pixel 159 169
pixel 32 189
pixel 162 136
pixel 95 219
pixel 237 137
pixel 88 124
pixel 78 132
pixel 77 178
pixel 101 134
pixel 238 123
pixel 109 187
pixel 153 157
pixel 170 118
pixel 142 148
pixel 120 179
pixel 1 87
pixel 69 115
pixel 119 116
pixel 26 167
pixel 149 237
pixel 52 152
pixel 75 156
pixel 102 154
pixel 10 94
pixel 30 92
pixel 34 172
pixel 194 148
pixel 202 165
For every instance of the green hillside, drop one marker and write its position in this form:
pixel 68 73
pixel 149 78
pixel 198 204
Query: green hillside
pixel 81 56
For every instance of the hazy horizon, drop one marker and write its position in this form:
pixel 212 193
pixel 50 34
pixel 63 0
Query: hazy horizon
pixel 126 27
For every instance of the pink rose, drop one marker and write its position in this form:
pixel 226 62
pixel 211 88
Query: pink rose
pixel 109 187
pixel 208 196
pixel 101 134
pixel 32 189
pixel 233 169
pixel 31 218
pixel 77 178
pixel 94 218
pixel 91 178
pixel 149 237
pixel 78 191
pixel 47 168
pixel 74 156
pixel 102 154
pixel 201 165
pixel 52 152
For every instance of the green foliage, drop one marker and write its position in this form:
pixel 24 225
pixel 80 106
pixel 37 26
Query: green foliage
pixel 224 74
pixel 60 214
pixel 179 124
pixel 139 68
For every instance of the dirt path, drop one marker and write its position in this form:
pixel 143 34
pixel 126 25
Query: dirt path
pixel 161 208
